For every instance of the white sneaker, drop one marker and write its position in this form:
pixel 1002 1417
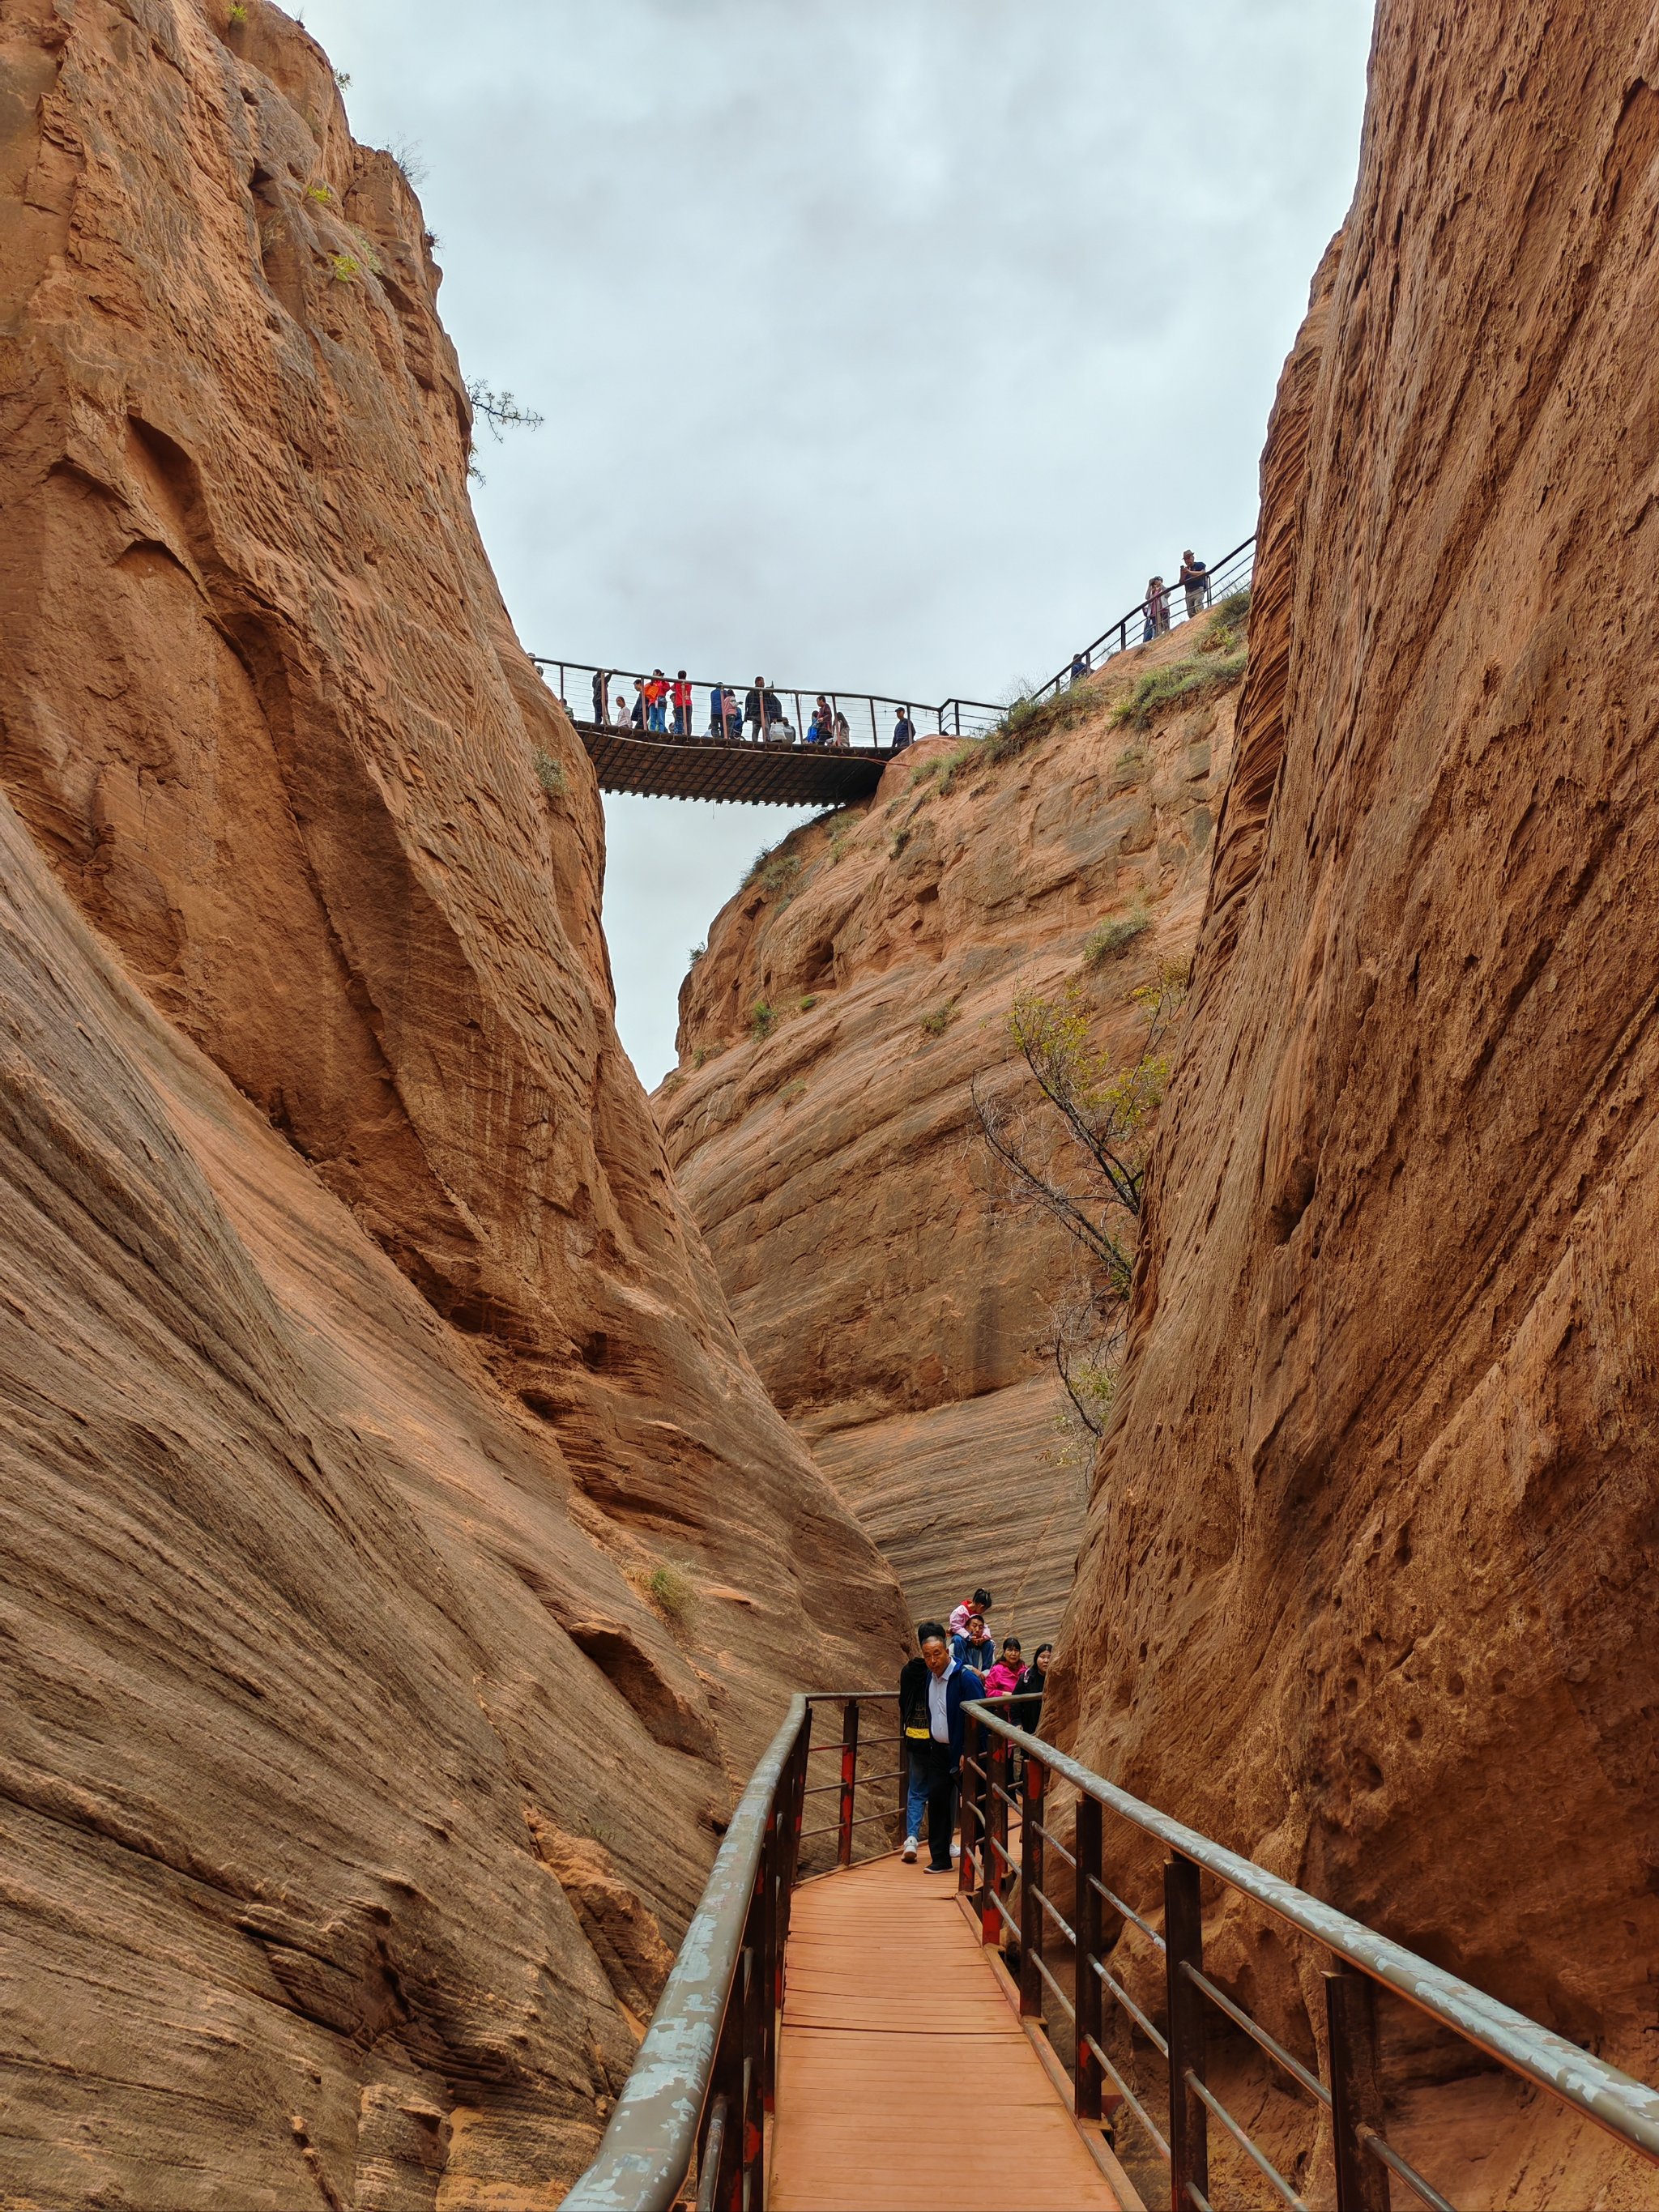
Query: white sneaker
pixel 956 1851
pixel 910 1849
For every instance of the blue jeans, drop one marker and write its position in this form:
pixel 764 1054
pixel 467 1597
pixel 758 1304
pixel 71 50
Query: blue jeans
pixel 660 716
pixel 916 1799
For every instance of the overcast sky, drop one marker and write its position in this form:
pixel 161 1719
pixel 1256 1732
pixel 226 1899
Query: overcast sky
pixel 886 344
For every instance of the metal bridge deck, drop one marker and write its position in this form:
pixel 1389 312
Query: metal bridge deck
pixel 707 767
pixel 904 2076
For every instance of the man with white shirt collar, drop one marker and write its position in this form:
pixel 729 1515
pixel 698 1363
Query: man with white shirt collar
pixel 932 1691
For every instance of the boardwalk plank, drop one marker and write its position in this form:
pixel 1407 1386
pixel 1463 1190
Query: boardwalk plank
pixel 903 2076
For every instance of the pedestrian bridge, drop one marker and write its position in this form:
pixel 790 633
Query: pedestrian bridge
pixel 661 767
pixel 1043 2026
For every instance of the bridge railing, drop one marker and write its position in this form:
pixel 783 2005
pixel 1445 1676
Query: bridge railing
pixel 1020 1891
pixel 692 2113
pixel 870 716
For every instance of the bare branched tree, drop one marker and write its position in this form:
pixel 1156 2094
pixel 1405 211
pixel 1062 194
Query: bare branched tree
pixel 1074 1147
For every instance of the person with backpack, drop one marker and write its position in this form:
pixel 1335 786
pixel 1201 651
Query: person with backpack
pixel 933 1688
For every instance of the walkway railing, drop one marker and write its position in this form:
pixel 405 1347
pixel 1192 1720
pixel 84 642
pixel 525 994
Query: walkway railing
pixel 706 2075
pixel 692 2114
pixel 1350 2094
pixel 965 717
pixel 870 716
pixel 589 694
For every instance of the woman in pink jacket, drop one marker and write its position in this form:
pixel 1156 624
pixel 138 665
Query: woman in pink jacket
pixel 1002 1680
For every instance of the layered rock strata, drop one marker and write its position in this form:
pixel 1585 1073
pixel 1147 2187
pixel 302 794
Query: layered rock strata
pixel 1366 1590
pixel 821 1121
pixel 402 1559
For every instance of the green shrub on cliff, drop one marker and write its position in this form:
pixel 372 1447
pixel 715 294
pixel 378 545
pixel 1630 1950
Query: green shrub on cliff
pixel 762 1020
pixel 1112 939
pixel 1174 680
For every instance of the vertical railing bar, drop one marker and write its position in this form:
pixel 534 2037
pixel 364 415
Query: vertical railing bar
pixel 1085 2070
pixel 849 1766
pixel 1184 1936
pixel 1032 1875
pixel 1356 2090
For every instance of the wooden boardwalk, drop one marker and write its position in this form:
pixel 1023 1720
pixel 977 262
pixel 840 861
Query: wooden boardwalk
pixel 905 2079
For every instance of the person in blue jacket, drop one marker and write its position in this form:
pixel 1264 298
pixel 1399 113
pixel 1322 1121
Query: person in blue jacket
pixel 932 1691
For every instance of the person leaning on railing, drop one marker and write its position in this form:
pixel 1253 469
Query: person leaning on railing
pixel 933 1690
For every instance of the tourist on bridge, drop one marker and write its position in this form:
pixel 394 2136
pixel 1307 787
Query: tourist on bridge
pixel 656 702
pixel 980 1604
pixel 619 713
pixel 932 1691
pixel 1195 582
pixel 1003 1680
pixel 722 701
pixel 681 695
pixel 641 704
pixel 1079 666
pixel 816 734
pixel 761 709
pixel 826 717
pixel 904 731
pixel 601 687
pixel 1028 1714
pixel 841 733
pixel 974 1648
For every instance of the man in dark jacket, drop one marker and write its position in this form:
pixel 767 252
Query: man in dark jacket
pixel 932 1691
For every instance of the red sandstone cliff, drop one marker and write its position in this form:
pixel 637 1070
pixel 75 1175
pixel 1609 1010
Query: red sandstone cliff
pixel 401 1555
pixel 895 1307
pixel 1367 1586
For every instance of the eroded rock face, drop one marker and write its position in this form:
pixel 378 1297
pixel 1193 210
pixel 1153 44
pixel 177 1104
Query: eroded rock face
pixel 1367 1586
pixel 360 1368
pixel 894 1304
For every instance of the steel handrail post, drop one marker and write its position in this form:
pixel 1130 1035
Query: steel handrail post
pixel 967 1793
pixel 1031 1890
pixel 1183 1941
pixel 770 1948
pixel 1362 2184
pixel 988 1921
pixel 1087 1995
pixel 751 2191
pixel 849 1766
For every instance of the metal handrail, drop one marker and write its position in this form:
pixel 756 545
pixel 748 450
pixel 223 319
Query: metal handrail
pixel 1626 2109
pixel 705 2072
pixel 959 718
pixel 850 703
pixel 652 2137
pixel 1227 576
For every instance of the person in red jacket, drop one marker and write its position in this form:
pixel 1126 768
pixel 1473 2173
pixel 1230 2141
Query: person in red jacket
pixel 680 692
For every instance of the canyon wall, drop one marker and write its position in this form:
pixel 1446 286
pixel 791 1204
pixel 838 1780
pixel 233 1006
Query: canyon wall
pixel 896 1303
pixel 403 1560
pixel 1366 1590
